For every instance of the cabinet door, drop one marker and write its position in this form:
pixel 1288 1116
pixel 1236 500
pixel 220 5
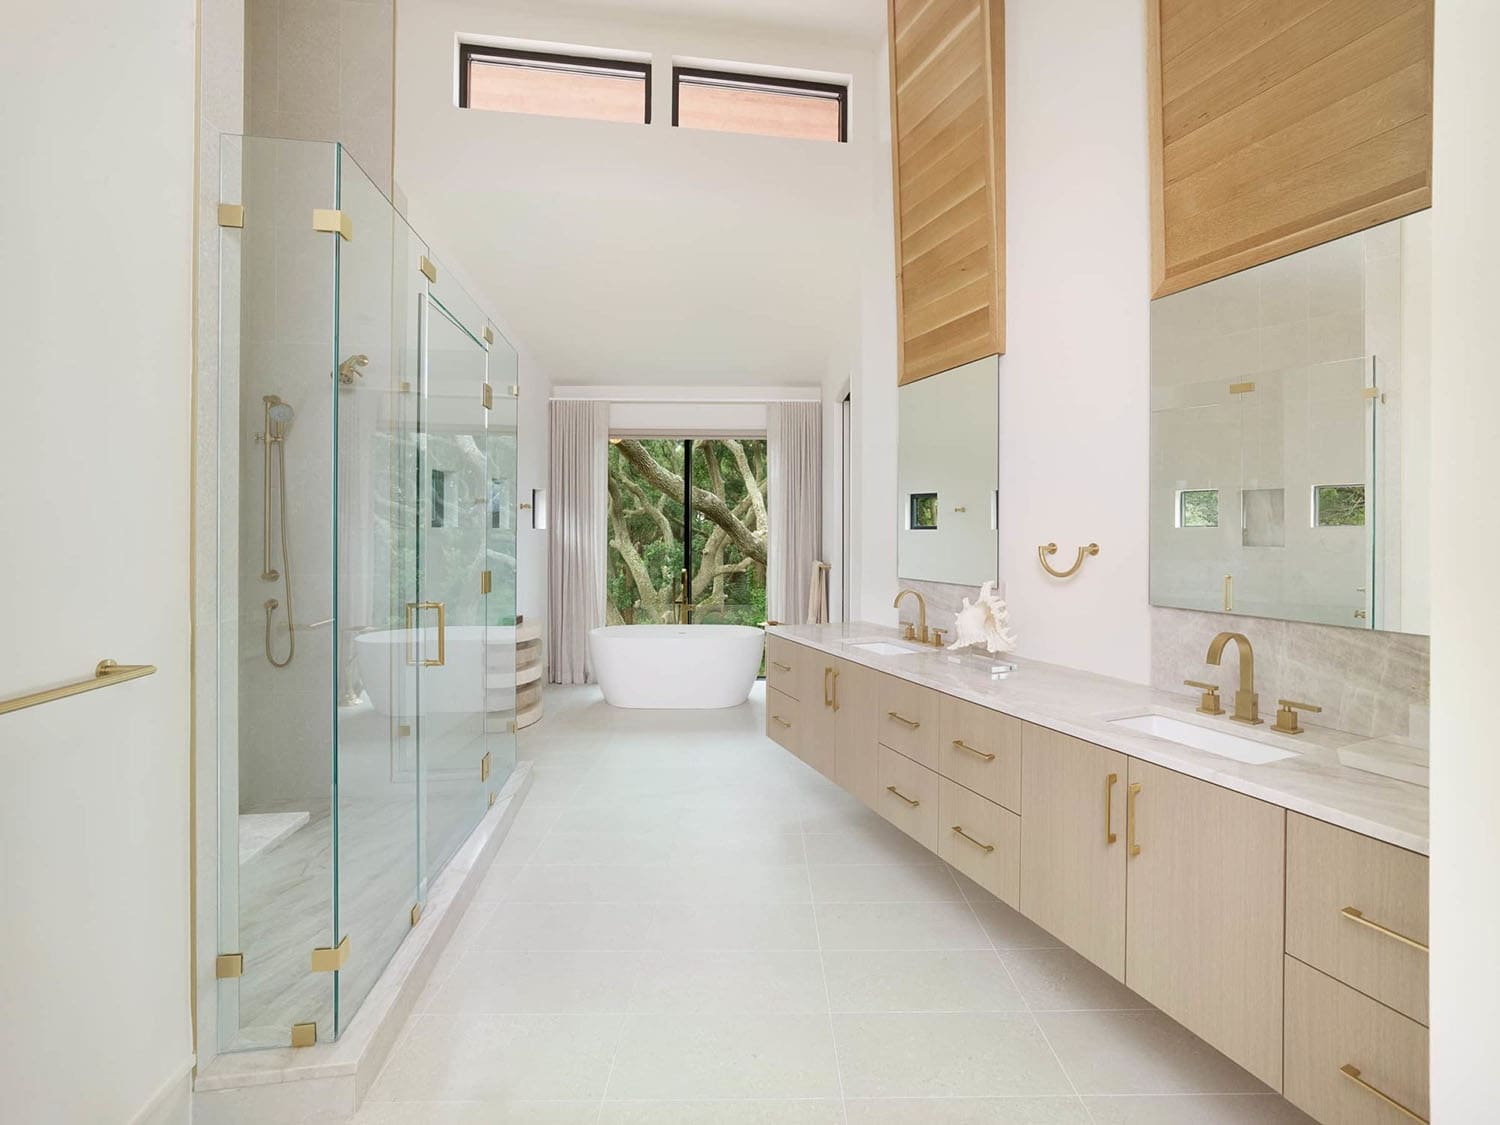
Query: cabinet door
pixel 856 709
pixel 815 692
pixel 948 122
pixel 1073 843
pixel 1205 912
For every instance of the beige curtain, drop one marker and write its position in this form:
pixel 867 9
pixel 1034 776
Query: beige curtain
pixel 578 486
pixel 794 451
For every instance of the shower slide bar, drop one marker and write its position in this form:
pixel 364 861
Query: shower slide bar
pixel 106 674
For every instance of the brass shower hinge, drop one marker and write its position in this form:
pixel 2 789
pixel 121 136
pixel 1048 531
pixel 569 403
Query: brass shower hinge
pixel 231 215
pixel 487 396
pixel 489 334
pixel 1374 392
pixel 304 1034
pixel 416 913
pixel 403 730
pixel 427 269
pixel 1241 388
pixel 515 391
pixel 326 960
pixel 333 222
pixel 484 767
pixel 492 798
pixel 485 581
pixel 227 966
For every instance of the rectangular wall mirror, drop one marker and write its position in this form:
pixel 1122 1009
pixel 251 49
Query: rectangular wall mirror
pixel 1290 444
pixel 948 469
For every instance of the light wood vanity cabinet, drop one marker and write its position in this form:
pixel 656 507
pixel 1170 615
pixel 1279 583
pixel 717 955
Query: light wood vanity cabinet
pixel 1228 913
pixel 1346 1054
pixel 1073 843
pixel 856 758
pixel 1356 908
pixel 948 152
pixel 1204 911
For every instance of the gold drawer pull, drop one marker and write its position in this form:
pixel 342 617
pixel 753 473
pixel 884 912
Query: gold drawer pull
pixel 987 848
pixel 903 796
pixel 1109 801
pixel 1132 791
pixel 783 722
pixel 1352 1072
pixel 962 745
pixel 903 719
pixel 779 664
pixel 1356 915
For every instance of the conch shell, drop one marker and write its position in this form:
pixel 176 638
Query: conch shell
pixel 985 620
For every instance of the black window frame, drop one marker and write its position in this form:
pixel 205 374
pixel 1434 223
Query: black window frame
pixel 913 500
pixel 483 52
pixel 770 83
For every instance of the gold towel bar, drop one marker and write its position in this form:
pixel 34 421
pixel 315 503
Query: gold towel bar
pixel 106 673
pixel 1051 549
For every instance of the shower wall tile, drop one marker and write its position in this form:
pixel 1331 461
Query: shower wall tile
pixel 1367 683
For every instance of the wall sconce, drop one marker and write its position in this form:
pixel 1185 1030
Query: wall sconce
pixel 539 509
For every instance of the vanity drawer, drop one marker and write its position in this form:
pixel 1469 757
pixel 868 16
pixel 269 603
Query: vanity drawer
pixel 784 661
pixel 1332 872
pixel 981 839
pixel 784 720
pixel 909 720
pixel 908 797
pixel 981 750
pixel 1330 1026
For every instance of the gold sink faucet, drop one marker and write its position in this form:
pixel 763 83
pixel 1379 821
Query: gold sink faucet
pixel 921 633
pixel 1246 702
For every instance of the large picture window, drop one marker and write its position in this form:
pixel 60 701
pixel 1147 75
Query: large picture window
pixel 713 532
pixel 750 103
pixel 514 81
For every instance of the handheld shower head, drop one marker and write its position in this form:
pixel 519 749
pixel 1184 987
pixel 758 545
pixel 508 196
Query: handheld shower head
pixel 279 417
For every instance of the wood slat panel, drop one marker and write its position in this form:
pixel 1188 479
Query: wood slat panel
pixel 948 162
pixel 1304 44
pixel 927 33
pixel 1391 49
pixel 1281 124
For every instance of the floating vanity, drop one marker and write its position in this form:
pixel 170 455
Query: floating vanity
pixel 1263 894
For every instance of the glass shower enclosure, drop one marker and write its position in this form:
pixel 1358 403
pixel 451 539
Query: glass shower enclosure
pixel 366 584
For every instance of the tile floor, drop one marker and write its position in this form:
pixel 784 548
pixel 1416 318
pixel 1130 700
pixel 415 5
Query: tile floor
pixel 687 926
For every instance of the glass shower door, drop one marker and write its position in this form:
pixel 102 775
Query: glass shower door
pixel 449 611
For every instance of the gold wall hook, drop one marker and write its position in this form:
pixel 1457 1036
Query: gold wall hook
pixel 1051 549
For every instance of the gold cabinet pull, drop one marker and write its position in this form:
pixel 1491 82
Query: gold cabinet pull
pixel 962 745
pixel 827 687
pixel 1132 791
pixel 783 722
pixel 1356 915
pixel 414 608
pixel 835 689
pixel 903 796
pixel 903 719
pixel 986 848
pixel 779 664
pixel 1109 802
pixel 1352 1072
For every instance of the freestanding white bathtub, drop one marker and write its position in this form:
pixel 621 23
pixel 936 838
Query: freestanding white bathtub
pixel 476 657
pixel 674 666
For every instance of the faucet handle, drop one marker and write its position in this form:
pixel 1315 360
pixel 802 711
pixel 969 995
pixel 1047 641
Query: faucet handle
pixel 911 631
pixel 1208 703
pixel 937 637
pixel 1286 715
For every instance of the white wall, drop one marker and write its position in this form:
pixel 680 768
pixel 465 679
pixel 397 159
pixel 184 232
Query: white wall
pixel 1074 381
pixel 635 254
pixel 96 315
pixel 1465 541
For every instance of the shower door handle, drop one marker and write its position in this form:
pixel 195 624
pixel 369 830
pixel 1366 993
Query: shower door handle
pixel 412 609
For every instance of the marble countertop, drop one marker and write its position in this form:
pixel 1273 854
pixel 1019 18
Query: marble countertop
pixel 1082 704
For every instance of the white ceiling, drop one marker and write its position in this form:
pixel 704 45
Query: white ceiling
pixel 861 21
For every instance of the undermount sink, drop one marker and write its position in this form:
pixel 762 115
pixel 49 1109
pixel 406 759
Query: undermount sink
pixel 1220 742
pixel 882 648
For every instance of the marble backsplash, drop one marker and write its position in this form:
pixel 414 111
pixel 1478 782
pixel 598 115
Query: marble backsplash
pixel 1367 683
